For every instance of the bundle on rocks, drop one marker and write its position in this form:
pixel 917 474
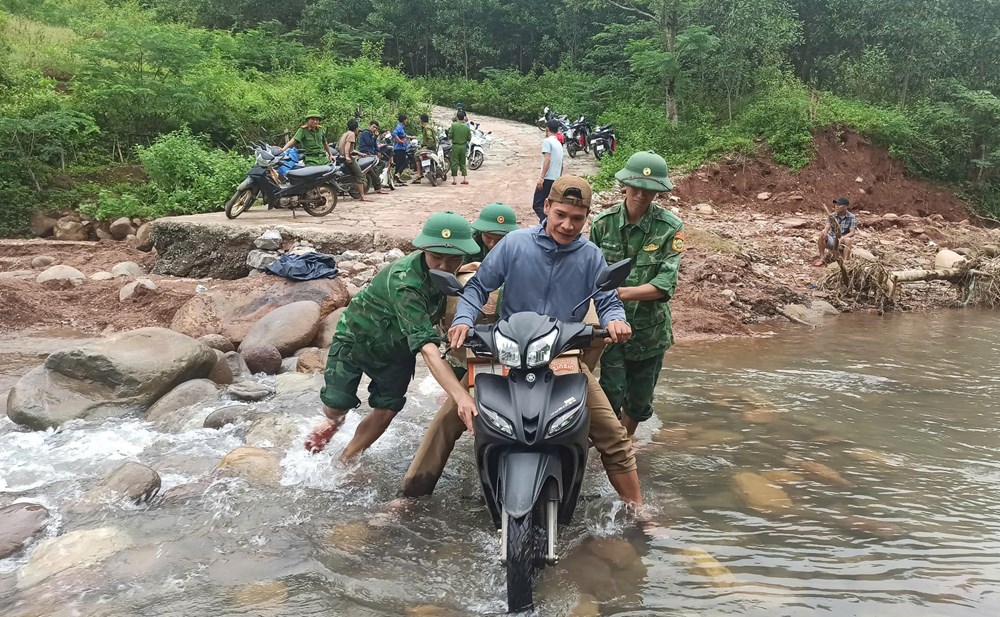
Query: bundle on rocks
pixel 981 286
pixel 861 280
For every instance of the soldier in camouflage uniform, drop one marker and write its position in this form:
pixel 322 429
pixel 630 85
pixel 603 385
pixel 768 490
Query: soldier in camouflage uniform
pixel 651 236
pixel 382 330
pixel 494 222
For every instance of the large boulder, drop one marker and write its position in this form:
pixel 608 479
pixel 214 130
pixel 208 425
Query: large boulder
pixel 71 230
pixel 42 224
pixel 324 334
pixel 20 523
pixel 231 310
pixel 256 465
pixel 217 341
pixel 144 237
pixel 169 412
pixel 127 268
pixel 130 482
pixel 76 549
pixel 222 374
pixel 759 494
pixel 59 277
pixel 288 328
pixel 232 414
pixel 121 228
pixel 262 358
pixel 111 377
pixel 237 365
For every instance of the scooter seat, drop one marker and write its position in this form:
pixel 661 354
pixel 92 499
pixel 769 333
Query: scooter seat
pixel 309 172
pixel 365 161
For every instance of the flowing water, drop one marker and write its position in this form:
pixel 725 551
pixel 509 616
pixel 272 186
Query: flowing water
pixel 903 408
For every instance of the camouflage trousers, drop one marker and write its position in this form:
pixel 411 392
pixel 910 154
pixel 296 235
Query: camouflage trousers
pixel 629 383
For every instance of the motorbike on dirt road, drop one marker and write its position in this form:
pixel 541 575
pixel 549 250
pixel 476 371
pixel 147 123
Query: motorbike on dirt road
pixel 346 183
pixel 281 182
pixel 476 151
pixel 578 137
pixel 603 141
pixel 531 429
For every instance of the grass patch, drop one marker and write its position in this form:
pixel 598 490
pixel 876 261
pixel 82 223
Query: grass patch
pixel 38 46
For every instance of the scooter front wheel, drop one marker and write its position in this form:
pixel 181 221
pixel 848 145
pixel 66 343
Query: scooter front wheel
pixel 572 149
pixel 240 202
pixel 432 173
pixel 324 201
pixel 521 550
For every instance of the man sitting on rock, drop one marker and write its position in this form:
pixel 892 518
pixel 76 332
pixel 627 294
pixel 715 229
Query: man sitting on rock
pixel 382 330
pixel 848 224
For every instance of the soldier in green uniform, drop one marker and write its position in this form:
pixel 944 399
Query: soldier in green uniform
pixel 384 327
pixel 311 139
pixel 460 135
pixel 494 222
pixel 428 142
pixel 651 236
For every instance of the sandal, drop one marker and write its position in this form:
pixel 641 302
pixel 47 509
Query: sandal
pixel 819 263
pixel 465 181
pixel 416 180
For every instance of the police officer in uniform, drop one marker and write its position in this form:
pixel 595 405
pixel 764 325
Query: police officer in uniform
pixel 651 236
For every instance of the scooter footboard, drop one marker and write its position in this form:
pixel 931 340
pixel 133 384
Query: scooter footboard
pixel 523 475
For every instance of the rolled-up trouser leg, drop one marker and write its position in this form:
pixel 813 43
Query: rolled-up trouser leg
pixel 606 431
pixel 432 455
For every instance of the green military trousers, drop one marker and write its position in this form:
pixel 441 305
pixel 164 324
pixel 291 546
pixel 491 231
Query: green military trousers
pixel 629 383
pixel 459 155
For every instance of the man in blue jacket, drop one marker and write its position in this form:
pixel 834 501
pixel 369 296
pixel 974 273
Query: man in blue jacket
pixel 547 269
pixel 368 145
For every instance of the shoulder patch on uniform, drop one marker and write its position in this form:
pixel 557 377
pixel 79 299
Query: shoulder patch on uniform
pixel 678 243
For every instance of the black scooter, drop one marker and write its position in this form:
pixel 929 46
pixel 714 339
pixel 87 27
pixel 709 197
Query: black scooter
pixel 281 184
pixel 531 431
pixel 345 182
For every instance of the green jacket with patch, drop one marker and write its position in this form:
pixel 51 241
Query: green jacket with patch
pixel 655 246
pixel 396 313
pixel 312 144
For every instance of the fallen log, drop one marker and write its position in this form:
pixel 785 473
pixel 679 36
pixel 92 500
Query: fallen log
pixel 953 275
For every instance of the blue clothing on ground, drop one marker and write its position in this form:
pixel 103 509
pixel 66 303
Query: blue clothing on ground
pixel 368 143
pixel 308 267
pixel 542 276
pixel 399 133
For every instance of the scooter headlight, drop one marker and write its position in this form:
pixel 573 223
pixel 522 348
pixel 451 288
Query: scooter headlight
pixel 561 423
pixel 540 350
pixel 497 421
pixel 508 352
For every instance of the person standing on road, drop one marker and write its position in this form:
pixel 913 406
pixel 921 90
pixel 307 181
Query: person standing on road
pixel 311 139
pixel 651 237
pixel 460 135
pixel 552 161
pixel 399 142
pixel 368 145
pixel 428 143
pixel 346 147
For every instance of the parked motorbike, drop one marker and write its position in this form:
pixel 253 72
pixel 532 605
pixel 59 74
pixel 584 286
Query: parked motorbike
pixel 603 141
pixel 434 164
pixel 346 184
pixel 477 147
pixel 578 137
pixel 547 115
pixel 278 178
pixel 531 432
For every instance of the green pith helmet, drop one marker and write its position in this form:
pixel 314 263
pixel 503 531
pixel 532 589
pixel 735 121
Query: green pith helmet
pixel 496 218
pixel 647 171
pixel 448 233
pixel 313 114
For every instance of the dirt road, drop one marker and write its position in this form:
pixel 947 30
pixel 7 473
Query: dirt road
pixel 507 175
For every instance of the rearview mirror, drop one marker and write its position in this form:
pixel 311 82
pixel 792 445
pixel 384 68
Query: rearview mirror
pixel 613 276
pixel 446 282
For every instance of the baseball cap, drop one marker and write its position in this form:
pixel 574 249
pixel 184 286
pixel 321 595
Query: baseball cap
pixel 842 201
pixel 573 190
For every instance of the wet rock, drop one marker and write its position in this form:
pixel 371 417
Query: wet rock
pixel 183 493
pixel 232 310
pixel 130 482
pixel 72 231
pixel 616 552
pixel 41 224
pixel 276 430
pixel 289 365
pixel 61 277
pixel 110 377
pixel 136 289
pixel 259 596
pixel 256 465
pixel 144 237
pixel 823 308
pixel 260 260
pixel 715 436
pixel 866 455
pixel 864 525
pixel 781 476
pixel 798 311
pixel 672 436
pixel 757 493
pixel 233 414
pixel 946 259
pixel 262 358
pixel 101 276
pixel 168 413
pixel 288 328
pixel 270 240
pixel 217 341
pixel 297 382
pixel 327 327
pixel 249 391
pixel 43 261
pixel 701 563
pixel 237 365
pixel 19 523
pixel 313 360
pixel 74 550
pixel 349 537
pixel 586 606
pixel 222 373
pixel 761 416
pixel 127 268
pixel 818 472
pixel 121 228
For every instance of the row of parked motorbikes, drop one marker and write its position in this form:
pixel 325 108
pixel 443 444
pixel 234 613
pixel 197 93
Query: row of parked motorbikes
pixel 282 181
pixel 580 135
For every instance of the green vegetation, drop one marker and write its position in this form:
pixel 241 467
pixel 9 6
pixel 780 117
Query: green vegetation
pixel 90 84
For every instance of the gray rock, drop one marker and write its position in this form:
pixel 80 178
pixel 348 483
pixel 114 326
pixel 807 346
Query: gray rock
pixel 20 523
pixel 288 328
pixel 704 209
pixel 250 391
pixel 168 412
pixel 237 365
pixel 41 224
pixel 270 240
pixel 352 290
pixel 289 365
pixel 764 196
pixel 59 277
pixel 860 253
pixel 301 250
pixel 183 493
pixel 217 341
pixel 101 276
pixel 143 286
pixel 352 255
pixel 823 307
pixel 121 228
pixel 103 234
pixel 794 223
pixel 273 430
pixel 289 383
pixel 43 261
pixel 70 230
pixel 110 377
pixel 131 482
pixel 75 550
pixel 222 374
pixel 233 414
pixel 144 237
pixel 262 358
pixel 394 254
pixel 258 260
pixel 324 334
pixel 127 268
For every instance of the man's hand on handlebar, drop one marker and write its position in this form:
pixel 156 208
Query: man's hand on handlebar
pixel 618 331
pixel 456 336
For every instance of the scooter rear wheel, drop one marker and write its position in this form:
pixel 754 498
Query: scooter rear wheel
pixel 432 173
pixel 240 202
pixel 476 161
pixel 521 550
pixel 572 149
pixel 326 206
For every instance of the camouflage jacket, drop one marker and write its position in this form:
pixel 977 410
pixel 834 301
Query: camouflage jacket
pixel 397 313
pixel 655 246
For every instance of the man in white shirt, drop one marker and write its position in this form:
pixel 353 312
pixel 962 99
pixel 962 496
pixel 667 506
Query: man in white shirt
pixel 552 160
